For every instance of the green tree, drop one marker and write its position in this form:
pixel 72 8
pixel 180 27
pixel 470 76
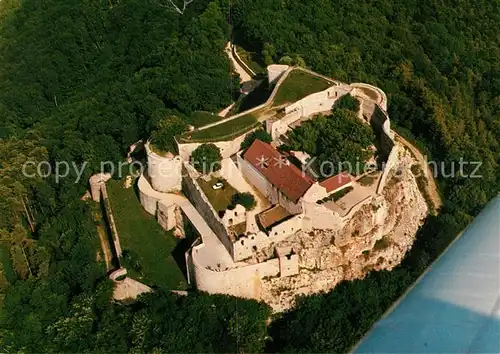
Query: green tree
pixel 246 199
pixel 268 52
pixel 299 61
pixel 340 141
pixel 260 134
pixel 286 60
pixel 69 332
pixel 347 102
pixel 163 137
pixel 206 158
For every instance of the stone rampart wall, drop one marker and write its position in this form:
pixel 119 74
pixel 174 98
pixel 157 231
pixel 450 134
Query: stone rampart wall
pixel 243 281
pixel 381 123
pixel 164 172
pixel 111 221
pixel 382 97
pixel 356 207
pixel 316 214
pixel 286 228
pixel 170 218
pixel 148 201
pixel 241 62
pixel 227 148
pixel 376 115
pixel 392 160
pixel 316 102
pixel 195 194
pixel 313 104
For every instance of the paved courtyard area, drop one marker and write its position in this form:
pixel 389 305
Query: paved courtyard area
pixel 357 195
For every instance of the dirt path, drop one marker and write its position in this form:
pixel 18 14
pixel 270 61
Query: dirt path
pixel 239 69
pixel 226 110
pixel 429 174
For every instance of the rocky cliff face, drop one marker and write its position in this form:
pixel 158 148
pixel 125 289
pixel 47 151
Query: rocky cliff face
pixel 374 238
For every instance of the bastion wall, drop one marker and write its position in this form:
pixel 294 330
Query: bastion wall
pixel 111 221
pixel 318 102
pixel 227 148
pixel 148 200
pixel 275 71
pixel 381 96
pixel 312 104
pixel 168 214
pixel 316 214
pixel 195 194
pixel 164 172
pixel 241 62
pixel 379 120
pixel 242 281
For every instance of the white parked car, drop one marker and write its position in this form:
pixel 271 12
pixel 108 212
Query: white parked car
pixel 218 185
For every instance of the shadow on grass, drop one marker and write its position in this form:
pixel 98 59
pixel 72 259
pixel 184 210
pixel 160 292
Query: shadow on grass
pixel 255 98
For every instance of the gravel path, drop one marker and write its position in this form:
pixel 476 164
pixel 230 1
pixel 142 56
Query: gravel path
pixel 431 186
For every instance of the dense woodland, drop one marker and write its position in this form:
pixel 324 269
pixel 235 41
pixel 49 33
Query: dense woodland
pixel 82 80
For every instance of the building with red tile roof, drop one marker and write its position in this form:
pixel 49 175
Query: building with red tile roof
pixel 275 167
pixel 337 181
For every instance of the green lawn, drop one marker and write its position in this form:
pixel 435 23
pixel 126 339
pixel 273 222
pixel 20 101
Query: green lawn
pixel 202 118
pixel 225 131
pixel 220 198
pixel 298 85
pixel 149 245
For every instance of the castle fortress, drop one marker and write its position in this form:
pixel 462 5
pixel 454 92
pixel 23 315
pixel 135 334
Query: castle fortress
pixel 232 255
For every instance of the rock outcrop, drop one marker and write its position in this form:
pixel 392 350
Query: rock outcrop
pixel 376 237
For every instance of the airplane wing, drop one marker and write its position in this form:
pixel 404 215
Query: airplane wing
pixel 454 307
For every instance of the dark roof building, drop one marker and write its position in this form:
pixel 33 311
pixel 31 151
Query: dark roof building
pixel 278 170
